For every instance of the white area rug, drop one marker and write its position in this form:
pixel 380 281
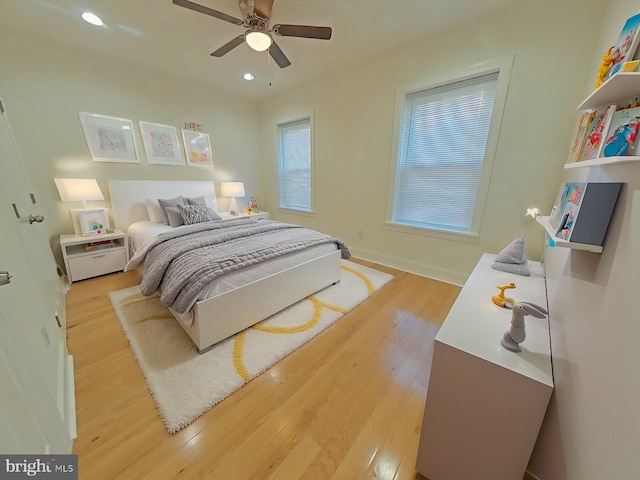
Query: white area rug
pixel 185 384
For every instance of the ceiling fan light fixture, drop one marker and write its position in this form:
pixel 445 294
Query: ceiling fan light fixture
pixel 258 40
pixel 92 18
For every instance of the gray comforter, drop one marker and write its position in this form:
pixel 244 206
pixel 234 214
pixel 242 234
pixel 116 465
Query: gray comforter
pixel 181 263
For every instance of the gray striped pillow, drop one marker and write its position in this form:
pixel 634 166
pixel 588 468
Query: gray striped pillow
pixel 194 214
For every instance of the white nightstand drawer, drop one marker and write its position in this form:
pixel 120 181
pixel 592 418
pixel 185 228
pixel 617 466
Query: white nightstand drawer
pixel 96 263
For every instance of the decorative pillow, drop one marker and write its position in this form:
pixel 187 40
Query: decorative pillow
pixel 213 214
pixel 194 214
pixel 175 217
pixel 211 204
pixel 169 202
pixel 196 201
pixel 154 210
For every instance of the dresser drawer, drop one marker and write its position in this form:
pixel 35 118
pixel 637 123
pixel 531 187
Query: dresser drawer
pixel 96 263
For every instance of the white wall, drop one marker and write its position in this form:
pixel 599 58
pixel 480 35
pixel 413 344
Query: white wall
pixel 43 88
pixel 353 114
pixel 592 427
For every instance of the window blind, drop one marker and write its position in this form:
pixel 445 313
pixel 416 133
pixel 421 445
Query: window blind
pixel 294 158
pixel 443 138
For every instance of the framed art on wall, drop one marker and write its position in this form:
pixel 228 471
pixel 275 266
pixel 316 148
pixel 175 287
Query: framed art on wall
pixel 93 222
pixel 161 144
pixel 110 139
pixel 197 148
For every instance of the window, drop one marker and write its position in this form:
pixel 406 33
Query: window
pixel 442 139
pixel 294 164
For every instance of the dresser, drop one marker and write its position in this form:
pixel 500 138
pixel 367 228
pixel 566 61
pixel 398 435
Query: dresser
pixel 485 404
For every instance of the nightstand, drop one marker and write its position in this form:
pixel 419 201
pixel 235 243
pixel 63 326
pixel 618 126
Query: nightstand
pixel 86 257
pixel 257 216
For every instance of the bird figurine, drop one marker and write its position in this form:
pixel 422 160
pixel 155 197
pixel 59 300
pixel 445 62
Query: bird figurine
pixel 500 299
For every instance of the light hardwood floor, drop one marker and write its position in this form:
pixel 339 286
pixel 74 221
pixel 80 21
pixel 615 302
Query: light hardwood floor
pixel 346 405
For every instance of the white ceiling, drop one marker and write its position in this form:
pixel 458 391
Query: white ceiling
pixel 172 39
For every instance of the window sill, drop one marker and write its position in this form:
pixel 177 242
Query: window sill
pixel 292 211
pixel 428 232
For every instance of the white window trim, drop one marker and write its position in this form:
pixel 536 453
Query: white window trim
pixel 284 121
pixel 503 66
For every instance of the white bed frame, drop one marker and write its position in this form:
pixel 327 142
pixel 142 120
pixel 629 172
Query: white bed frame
pixel 226 314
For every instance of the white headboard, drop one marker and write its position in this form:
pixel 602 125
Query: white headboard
pixel 128 197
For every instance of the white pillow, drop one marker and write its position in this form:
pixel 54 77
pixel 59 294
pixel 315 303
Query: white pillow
pixel 154 211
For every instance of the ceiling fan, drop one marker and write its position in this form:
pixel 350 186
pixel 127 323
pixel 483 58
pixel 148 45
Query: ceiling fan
pixel 256 15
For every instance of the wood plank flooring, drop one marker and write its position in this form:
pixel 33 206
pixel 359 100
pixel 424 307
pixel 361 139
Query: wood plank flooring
pixel 346 405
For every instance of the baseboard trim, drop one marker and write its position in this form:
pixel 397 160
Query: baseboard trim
pixel 531 476
pixel 434 273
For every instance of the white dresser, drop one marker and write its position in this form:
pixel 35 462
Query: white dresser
pixel 485 404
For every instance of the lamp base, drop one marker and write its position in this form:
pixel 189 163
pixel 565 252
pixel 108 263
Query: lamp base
pixel 233 207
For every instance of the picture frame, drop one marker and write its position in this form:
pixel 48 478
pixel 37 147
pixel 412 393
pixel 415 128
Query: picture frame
pixel 161 144
pixel 197 148
pixel 110 139
pixel 93 222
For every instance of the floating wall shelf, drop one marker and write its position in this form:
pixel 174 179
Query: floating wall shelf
pixel 553 241
pixel 621 86
pixel 602 162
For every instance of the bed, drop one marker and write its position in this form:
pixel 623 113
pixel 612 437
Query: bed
pixel 236 300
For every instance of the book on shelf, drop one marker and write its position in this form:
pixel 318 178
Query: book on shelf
pixel 581 133
pixel 582 211
pixel 623 132
pixel 90 247
pixel 596 131
pixel 626 45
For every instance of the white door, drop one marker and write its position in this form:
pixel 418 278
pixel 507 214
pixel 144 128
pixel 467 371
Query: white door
pixel 33 406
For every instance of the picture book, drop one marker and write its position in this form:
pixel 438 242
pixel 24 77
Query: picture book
pixel 596 132
pixel 581 132
pixel 622 134
pixel 566 206
pixel 565 210
pixel 625 47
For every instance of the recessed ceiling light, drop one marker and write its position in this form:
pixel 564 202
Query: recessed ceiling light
pixel 248 76
pixel 92 19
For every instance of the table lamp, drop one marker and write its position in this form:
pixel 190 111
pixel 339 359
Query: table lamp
pixel 78 190
pixel 232 190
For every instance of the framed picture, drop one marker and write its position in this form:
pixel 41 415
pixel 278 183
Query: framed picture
pixel 197 148
pixel 110 139
pixel 161 144
pixel 93 222
pixel 625 48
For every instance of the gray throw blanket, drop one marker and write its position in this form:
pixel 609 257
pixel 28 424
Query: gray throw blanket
pixel 181 263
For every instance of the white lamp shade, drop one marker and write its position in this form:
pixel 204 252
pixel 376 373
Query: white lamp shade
pixel 257 40
pixel 232 189
pixel 78 189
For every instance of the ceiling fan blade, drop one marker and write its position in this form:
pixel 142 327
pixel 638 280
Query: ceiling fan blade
pixel 305 31
pixel 262 8
pixel 208 11
pixel 227 47
pixel 278 55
